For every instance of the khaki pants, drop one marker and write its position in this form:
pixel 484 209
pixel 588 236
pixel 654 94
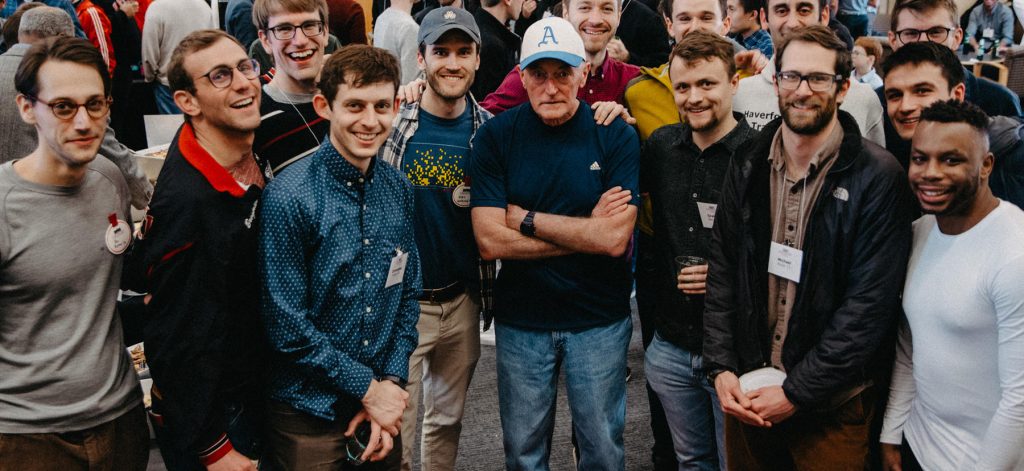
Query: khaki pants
pixel 297 441
pixel 448 350
pixel 811 441
pixel 119 445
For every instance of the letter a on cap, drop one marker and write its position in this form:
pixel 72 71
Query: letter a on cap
pixel 548 33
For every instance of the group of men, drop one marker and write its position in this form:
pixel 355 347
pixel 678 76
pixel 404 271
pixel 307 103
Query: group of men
pixel 315 256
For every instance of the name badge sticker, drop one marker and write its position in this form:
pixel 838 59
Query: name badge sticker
pixel 785 261
pixel 119 235
pixel 460 195
pixel 397 271
pixel 988 33
pixel 707 214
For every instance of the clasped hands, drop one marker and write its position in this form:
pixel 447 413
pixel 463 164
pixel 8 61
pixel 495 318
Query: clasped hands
pixel 383 405
pixel 762 407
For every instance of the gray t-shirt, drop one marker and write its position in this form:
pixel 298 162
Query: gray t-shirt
pixel 396 31
pixel 63 365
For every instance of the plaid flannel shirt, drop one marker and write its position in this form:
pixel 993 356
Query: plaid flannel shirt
pixel 391 152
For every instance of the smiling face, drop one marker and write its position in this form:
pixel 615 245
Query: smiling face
pixel 782 16
pixel 691 15
pixel 923 21
pixel 74 142
pixel 595 21
pixel 360 118
pixel 911 88
pixel 806 111
pixel 233 109
pixel 297 60
pixel 450 65
pixel 703 92
pixel 949 163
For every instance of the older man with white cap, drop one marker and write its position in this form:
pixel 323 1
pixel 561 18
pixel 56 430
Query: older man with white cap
pixel 554 197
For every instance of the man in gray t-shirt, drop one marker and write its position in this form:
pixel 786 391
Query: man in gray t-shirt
pixel 69 398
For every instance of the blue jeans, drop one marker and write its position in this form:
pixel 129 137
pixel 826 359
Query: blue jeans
pixel 691 405
pixel 164 99
pixel 594 362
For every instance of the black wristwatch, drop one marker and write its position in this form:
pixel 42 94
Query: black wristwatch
pixel 394 379
pixel 527 227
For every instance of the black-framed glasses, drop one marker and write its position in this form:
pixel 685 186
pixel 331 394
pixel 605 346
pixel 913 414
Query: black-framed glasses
pixel 937 34
pixel 286 31
pixel 818 82
pixel 222 76
pixel 66 109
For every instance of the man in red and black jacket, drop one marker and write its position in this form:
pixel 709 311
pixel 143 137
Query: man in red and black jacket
pixel 196 256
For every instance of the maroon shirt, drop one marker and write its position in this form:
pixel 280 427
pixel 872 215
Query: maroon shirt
pixel 607 84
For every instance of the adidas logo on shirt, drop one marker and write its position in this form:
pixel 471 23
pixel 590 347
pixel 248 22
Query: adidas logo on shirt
pixel 595 166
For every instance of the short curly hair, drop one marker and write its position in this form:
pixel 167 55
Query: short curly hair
pixel 357 65
pixel 955 111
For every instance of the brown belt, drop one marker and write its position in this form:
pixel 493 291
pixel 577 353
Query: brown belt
pixel 443 295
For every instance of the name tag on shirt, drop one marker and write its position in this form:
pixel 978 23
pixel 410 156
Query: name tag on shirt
pixel 397 271
pixel 785 261
pixel 707 213
pixel 988 33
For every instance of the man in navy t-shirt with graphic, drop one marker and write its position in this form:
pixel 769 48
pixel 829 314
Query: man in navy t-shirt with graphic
pixel 429 143
pixel 554 197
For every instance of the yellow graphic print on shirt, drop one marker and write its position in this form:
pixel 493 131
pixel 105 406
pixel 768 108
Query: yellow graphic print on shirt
pixel 434 166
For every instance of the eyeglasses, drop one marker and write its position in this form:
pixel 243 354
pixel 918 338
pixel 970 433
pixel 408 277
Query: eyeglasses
pixel 222 76
pixel 66 109
pixel 537 76
pixel 937 34
pixel 286 31
pixel 818 82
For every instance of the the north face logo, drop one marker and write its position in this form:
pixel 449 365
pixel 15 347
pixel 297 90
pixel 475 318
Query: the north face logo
pixel 450 15
pixel 595 166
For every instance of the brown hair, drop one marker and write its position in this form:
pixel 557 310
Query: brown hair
pixel 75 50
pixel 871 47
pixel 362 64
pixel 704 45
pixel 665 8
pixel 924 6
pixel 822 36
pixel 262 10
pixel 177 76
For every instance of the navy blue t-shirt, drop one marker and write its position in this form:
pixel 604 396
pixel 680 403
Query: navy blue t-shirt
pixel 435 162
pixel 563 170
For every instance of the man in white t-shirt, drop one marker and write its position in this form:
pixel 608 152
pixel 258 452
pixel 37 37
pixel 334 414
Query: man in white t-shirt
pixel 396 31
pixel 958 381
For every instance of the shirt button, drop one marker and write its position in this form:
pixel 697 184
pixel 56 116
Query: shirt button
pixel 790 227
pixel 348 183
pixel 783 302
pixel 691 229
pixel 367 275
pixel 701 160
pixel 694 195
pixel 366 342
pixel 366 241
pixel 778 337
pixel 369 309
pixel 364 207
pixel 360 180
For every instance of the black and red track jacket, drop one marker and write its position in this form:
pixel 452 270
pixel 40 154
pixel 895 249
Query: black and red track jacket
pixel 196 256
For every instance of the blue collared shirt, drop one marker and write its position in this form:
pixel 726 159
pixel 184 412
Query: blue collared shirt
pixel 327 240
pixel 760 40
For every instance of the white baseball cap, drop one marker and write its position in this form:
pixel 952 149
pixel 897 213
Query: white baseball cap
pixel 552 38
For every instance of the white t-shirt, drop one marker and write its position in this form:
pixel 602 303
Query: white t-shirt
pixel 396 31
pixel 957 391
pixel 756 99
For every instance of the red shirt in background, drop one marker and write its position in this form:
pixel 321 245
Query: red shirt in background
pixel 607 84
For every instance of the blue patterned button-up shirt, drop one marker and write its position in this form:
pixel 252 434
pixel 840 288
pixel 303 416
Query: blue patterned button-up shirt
pixel 760 40
pixel 327 239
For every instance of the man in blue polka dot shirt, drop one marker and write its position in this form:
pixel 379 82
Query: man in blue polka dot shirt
pixel 341 278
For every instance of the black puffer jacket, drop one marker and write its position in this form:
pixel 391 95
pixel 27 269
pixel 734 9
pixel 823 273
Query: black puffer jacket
pixel 855 256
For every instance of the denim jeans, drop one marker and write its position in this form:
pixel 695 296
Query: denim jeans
pixel 164 99
pixel 594 363
pixel 691 405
